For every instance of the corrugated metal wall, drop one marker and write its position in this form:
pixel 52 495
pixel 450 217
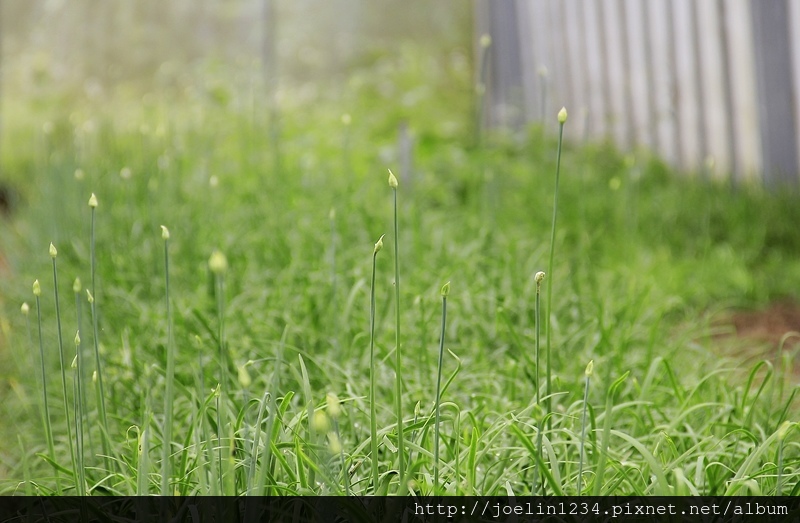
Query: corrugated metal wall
pixel 710 86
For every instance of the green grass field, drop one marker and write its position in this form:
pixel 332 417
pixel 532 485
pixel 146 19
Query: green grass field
pixel 644 260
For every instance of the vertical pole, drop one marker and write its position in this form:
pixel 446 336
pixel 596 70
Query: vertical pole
pixel 505 65
pixel 775 101
pixel 732 131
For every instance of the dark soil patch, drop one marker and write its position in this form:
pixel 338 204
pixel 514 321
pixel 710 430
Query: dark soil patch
pixel 769 325
pixel 753 335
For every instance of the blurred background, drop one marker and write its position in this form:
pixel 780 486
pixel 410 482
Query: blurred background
pixel 710 87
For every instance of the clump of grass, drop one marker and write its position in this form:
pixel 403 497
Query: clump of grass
pixel 398 360
pixel 169 394
pixel 445 291
pixel 373 416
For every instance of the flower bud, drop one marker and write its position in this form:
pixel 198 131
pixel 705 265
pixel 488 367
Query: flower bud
pixel 89 296
pixel 334 444
pixel 53 251
pixel 25 309
pixel 76 285
pixel 320 421
pixel 589 369
pixel 378 245
pixel 164 233
pixel 486 40
pixel 93 201
pixel 392 180
pixel 334 409
pixel 37 289
pixel 244 377
pixel 562 115
pixel 77 337
pixel 217 263
pixel 445 289
pixel 538 277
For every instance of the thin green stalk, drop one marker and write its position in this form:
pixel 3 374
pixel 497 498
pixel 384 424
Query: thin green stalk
pixel 37 291
pixel 53 254
pixel 588 374
pixel 218 265
pixel 334 409
pixel 78 407
pixel 445 292
pixel 143 451
pixel 76 288
pixel 100 392
pixel 251 473
pixel 334 299
pixel 398 360
pixel 538 277
pixel 373 416
pixel 562 117
pixel 169 395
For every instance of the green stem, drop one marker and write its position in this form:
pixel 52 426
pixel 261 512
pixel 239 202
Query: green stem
pixel 101 397
pixel 169 395
pixel 438 398
pixel 583 435
pixel 46 414
pixel 63 370
pixel 398 359
pixel 550 269
pixel 78 408
pixel 373 421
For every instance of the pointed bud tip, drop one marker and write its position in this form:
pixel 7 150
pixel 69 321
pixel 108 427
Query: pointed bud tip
pixel 25 308
pixel 37 289
pixel 392 180
pixel 164 233
pixel 378 245
pixel 92 201
pixel 589 368
pixel 76 286
pixel 562 115
pixel 53 250
pixel 445 289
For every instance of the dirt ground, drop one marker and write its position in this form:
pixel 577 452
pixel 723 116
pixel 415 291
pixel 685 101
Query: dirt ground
pixel 753 335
